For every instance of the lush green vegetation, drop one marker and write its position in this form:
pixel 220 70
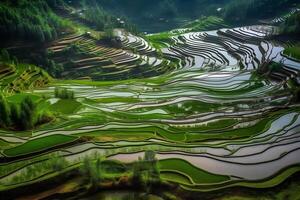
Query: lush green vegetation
pixel 104 20
pixel 292 25
pixel 66 106
pixel 160 40
pixel 293 52
pixel 63 93
pixel 245 10
pixel 23 116
pixel 30 20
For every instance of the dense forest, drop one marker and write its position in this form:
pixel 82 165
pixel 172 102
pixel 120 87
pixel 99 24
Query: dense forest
pixel 30 20
pixel 39 20
pixel 292 25
pixel 247 10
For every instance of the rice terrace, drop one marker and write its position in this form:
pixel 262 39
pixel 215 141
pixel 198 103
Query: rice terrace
pixel 150 100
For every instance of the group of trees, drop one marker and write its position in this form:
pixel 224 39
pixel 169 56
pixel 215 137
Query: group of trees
pixel 29 20
pixel 247 10
pixel 5 57
pixel 52 67
pixel 103 20
pixel 145 172
pixel 63 93
pixel 23 116
pixel 292 24
pixel 92 171
pixel 100 18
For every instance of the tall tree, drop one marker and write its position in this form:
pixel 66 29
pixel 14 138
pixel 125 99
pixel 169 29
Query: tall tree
pixel 27 110
pixel 4 112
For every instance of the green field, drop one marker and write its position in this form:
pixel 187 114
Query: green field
pixel 66 106
pixel 40 144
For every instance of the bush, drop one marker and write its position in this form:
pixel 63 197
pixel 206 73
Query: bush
pixel 92 171
pixel 27 112
pixel 292 25
pixel 63 93
pixel 4 112
pixel 145 172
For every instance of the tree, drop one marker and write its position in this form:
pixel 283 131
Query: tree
pixel 151 163
pixel 137 178
pixel 292 24
pixel 4 112
pixel 21 117
pixel 63 93
pixel 40 34
pixel 31 20
pixel 92 171
pixel 14 114
pixel 27 111
pixel 4 55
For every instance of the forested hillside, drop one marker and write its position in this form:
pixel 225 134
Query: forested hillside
pixel 44 20
pixel 242 11
pixel 40 20
pixel 292 24
pixel 30 20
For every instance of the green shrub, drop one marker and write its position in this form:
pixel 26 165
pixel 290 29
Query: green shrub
pixel 92 171
pixel 63 93
pixel 4 112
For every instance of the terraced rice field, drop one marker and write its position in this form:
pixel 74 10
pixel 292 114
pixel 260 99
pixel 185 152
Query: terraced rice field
pixel 23 77
pixel 212 120
pixel 102 62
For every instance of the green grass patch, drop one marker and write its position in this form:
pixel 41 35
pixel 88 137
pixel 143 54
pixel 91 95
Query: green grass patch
pixel 66 106
pixel 293 52
pixel 39 145
pixel 18 98
pixel 198 175
pixel 158 40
